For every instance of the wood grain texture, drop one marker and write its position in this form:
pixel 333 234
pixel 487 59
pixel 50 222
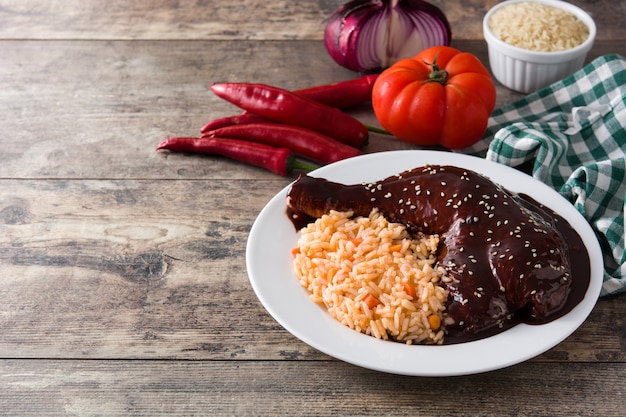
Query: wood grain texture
pixel 235 19
pixel 123 285
pixel 84 109
pixel 260 388
pixel 148 269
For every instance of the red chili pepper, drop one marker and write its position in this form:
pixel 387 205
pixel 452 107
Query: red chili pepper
pixel 280 161
pixel 303 142
pixel 286 107
pixel 342 94
pixel 240 119
pixel 339 95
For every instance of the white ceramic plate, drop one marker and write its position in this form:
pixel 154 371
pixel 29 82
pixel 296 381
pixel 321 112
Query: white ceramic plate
pixel 269 264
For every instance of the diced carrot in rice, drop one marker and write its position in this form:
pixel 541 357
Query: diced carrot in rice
pixel 373 277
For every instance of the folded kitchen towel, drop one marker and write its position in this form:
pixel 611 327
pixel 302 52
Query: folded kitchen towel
pixel 572 135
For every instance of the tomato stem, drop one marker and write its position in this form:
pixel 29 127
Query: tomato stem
pixel 436 75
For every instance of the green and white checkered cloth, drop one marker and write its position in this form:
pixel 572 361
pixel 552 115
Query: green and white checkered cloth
pixel 573 135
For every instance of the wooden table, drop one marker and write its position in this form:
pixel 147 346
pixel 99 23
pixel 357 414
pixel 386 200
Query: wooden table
pixel 123 284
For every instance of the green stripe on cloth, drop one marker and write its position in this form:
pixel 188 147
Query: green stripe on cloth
pixel 573 135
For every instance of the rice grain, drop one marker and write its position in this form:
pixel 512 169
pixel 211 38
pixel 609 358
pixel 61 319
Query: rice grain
pixel 342 262
pixel 538 27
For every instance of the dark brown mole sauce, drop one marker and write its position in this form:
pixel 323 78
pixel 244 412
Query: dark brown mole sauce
pixel 580 270
pixel 579 265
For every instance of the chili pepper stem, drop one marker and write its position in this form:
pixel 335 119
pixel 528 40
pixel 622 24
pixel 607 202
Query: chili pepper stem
pixel 295 163
pixel 375 129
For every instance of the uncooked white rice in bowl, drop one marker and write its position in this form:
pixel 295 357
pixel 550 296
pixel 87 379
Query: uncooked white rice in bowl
pixel 538 27
pixel 373 276
pixel 534 43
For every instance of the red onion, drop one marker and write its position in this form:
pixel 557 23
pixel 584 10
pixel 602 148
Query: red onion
pixel 370 35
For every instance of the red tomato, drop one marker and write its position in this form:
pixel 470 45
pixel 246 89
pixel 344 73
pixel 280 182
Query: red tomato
pixel 442 96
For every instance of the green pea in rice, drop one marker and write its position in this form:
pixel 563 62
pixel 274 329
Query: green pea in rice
pixel 343 261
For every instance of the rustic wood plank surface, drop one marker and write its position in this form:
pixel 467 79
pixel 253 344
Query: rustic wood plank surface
pixel 122 270
pixel 132 94
pixel 286 388
pixel 235 19
pixel 146 269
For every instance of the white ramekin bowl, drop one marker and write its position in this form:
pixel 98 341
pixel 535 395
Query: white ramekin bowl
pixel 524 70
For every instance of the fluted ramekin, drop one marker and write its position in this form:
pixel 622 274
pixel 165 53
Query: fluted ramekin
pixel 525 70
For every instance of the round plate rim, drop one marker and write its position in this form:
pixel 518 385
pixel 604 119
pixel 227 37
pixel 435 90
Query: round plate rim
pixel 314 326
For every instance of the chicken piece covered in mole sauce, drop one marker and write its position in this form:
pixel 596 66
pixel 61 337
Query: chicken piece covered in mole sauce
pixel 507 258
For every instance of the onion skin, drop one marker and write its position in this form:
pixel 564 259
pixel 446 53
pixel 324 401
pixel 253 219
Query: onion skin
pixel 341 34
pixel 371 35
